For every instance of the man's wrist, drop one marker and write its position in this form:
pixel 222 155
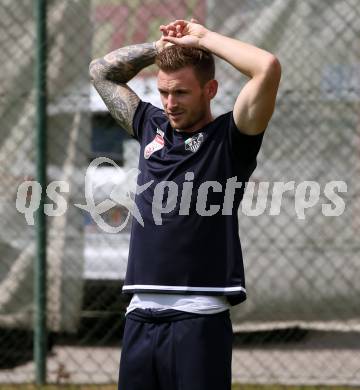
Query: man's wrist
pixel 161 45
pixel 205 40
pixel 158 46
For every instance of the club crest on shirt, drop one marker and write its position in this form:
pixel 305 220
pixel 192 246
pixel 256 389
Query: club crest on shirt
pixel 156 144
pixel 193 143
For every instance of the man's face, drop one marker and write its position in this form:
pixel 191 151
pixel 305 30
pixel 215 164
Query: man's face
pixel 184 100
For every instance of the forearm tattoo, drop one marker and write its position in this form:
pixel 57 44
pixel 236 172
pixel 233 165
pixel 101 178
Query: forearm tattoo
pixel 110 75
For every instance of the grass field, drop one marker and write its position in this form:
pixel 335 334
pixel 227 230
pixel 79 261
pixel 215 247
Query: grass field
pixel 234 387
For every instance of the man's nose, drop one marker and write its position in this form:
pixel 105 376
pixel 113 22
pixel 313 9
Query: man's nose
pixel 171 102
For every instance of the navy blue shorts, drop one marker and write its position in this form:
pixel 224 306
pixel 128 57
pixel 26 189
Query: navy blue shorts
pixel 174 350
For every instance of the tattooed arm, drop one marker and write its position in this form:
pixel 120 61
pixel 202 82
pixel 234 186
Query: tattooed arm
pixel 110 74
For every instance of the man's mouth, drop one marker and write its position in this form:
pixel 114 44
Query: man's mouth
pixel 175 114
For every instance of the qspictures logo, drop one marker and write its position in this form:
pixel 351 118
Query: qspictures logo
pixel 168 196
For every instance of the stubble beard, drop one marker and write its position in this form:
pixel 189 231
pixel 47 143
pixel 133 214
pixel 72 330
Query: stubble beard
pixel 188 122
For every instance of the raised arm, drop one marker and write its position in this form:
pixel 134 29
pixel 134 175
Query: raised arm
pixel 110 74
pixel 256 101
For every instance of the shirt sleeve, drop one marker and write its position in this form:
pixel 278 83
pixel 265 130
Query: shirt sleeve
pixel 244 147
pixel 143 114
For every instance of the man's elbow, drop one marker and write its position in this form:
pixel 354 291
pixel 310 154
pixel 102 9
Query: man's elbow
pixel 96 70
pixel 273 68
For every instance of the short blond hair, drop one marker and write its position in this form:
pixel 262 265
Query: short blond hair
pixel 177 57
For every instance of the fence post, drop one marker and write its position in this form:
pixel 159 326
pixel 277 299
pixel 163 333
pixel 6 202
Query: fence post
pixel 40 333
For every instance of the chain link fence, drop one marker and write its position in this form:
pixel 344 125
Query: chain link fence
pixel 300 239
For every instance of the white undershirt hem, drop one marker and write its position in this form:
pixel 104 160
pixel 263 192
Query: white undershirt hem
pixel 199 304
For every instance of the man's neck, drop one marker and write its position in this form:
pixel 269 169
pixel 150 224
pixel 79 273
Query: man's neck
pixel 197 126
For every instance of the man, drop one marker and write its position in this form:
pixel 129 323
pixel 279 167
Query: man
pixel 185 264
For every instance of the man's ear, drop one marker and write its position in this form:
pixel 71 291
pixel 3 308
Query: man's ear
pixel 211 88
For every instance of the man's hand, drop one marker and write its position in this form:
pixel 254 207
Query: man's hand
pixel 184 33
pixel 161 44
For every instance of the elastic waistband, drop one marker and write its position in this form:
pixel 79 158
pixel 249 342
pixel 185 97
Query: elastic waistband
pixel 168 315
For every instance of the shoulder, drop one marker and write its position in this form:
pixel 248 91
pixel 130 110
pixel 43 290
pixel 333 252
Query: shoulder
pixel 146 113
pixel 149 110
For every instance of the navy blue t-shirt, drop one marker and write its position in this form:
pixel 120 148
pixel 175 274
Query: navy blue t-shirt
pixel 189 241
